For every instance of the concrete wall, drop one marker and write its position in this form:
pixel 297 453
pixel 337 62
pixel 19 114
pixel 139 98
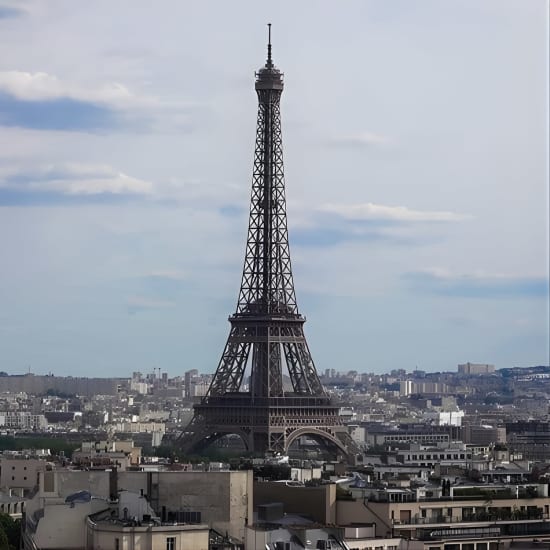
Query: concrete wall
pixel 20 472
pixel 319 503
pixel 350 512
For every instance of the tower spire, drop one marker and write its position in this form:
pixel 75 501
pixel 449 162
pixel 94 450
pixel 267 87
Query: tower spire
pixel 269 63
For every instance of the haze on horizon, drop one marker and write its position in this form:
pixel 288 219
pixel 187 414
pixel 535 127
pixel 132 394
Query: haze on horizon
pixel 416 161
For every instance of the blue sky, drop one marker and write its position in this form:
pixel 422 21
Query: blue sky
pixel 416 159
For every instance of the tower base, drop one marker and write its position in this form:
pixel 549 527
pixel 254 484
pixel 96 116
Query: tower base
pixel 266 425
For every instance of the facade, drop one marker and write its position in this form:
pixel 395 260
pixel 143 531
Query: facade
pixel 19 474
pixel 39 385
pixel 484 435
pixel 104 534
pixel 413 387
pixel 429 456
pixel 22 420
pixel 460 521
pixel 476 368
pixel 427 435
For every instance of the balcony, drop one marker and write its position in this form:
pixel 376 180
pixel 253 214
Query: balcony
pixel 488 530
pixel 490 516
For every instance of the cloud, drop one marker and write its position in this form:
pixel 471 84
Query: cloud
pixel 332 224
pixel 43 101
pixel 42 86
pixel 67 181
pixel 478 285
pixel 364 139
pixel 327 234
pixel 380 212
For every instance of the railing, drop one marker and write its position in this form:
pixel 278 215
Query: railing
pixel 240 400
pixel 485 497
pixel 494 530
pixel 472 518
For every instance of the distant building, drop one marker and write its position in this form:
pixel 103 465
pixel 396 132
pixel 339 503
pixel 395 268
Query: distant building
pixel 411 387
pixel 22 420
pixel 445 418
pixel 104 455
pixel 484 435
pixel 476 368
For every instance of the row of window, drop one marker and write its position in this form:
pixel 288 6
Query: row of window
pixel 455 456
pixel 170 543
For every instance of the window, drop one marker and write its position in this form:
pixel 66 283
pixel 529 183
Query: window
pixel 117 544
pixel 171 543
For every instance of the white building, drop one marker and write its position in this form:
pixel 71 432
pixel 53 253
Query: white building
pixel 22 420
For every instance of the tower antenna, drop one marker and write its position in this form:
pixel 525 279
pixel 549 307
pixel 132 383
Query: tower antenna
pixel 269 60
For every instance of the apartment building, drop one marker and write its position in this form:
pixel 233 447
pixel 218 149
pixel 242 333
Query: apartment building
pixel 22 420
pixel 70 503
pixel 465 517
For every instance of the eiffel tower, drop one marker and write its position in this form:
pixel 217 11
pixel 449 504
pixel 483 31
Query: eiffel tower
pixel 266 332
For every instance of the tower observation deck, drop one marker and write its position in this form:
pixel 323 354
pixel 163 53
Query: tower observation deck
pixel 266 337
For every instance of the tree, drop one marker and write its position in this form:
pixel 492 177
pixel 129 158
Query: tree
pixel 4 543
pixel 11 530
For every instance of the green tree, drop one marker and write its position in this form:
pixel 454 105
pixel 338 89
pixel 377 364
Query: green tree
pixel 11 529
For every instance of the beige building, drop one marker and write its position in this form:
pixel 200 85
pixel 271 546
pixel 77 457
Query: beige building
pixel 481 517
pixel 19 474
pixel 204 500
pixel 105 454
pixel 109 535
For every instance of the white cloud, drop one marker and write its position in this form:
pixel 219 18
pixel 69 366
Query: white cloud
pixel 115 183
pixel 445 274
pixel 371 211
pixel 42 86
pixel 74 179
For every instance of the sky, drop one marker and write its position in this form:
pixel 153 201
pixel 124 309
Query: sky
pixel 415 136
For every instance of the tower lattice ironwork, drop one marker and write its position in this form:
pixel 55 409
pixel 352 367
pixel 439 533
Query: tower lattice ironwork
pixel 266 332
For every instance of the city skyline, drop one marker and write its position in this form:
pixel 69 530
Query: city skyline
pixel 415 139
